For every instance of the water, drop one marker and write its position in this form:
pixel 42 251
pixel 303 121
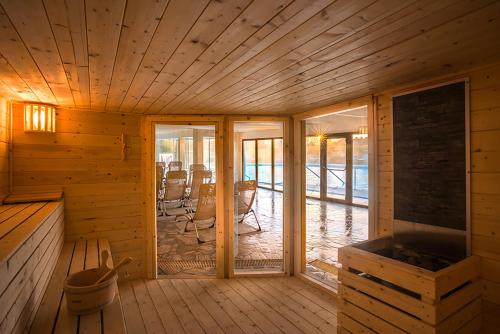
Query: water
pixel 336 178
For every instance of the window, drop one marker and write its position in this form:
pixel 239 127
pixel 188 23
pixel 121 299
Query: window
pixel 187 152
pixel 313 170
pixel 209 154
pixel 168 150
pixel 249 161
pixel 263 162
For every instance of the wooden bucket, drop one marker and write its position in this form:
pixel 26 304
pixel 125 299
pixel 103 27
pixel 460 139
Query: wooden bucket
pixel 83 296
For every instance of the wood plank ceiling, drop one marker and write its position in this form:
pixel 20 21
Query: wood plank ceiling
pixel 238 56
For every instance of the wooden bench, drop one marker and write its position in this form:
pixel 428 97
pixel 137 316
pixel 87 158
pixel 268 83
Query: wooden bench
pixel 31 238
pixel 53 316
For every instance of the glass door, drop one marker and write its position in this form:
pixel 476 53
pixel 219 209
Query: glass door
pixel 336 167
pixel 186 199
pixel 258 223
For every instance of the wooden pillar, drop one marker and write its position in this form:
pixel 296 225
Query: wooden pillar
pixel 197 147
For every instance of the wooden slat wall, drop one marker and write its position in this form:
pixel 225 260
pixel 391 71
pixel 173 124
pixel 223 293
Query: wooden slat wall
pixel 485 164
pixel 30 245
pixel 102 192
pixel 4 147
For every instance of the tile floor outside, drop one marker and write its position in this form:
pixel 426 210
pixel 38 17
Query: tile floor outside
pixel 329 226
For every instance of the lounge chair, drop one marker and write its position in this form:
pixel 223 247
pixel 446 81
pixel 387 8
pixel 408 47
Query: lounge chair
pixel 246 196
pixel 205 209
pixel 175 189
pixel 199 177
pixel 174 166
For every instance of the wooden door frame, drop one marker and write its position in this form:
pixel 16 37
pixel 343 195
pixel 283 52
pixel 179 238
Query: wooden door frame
pixel 287 193
pixel 299 200
pixel 148 177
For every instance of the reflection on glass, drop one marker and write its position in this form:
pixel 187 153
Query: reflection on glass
pixel 360 169
pixel 278 164
pixel 249 167
pixel 265 170
pixel 313 173
pixel 336 167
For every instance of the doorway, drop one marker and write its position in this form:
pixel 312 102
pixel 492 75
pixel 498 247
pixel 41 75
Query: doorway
pixel 336 173
pixel 258 221
pixel 186 197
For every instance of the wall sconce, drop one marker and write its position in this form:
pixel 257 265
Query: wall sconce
pixel 39 117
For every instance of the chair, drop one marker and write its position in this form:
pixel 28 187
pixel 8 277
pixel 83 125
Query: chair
pixel 246 196
pixel 175 189
pixel 192 168
pixel 160 179
pixel 199 177
pixel 205 209
pixel 175 166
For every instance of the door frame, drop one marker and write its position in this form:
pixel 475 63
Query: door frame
pixel 148 124
pixel 299 200
pixel 287 193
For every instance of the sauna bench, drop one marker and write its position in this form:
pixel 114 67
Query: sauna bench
pixel 52 315
pixel 31 238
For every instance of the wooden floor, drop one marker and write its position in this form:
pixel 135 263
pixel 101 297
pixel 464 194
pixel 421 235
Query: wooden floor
pixel 255 305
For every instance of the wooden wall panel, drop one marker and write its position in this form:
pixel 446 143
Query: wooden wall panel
pixel 485 178
pixel 102 192
pixel 4 147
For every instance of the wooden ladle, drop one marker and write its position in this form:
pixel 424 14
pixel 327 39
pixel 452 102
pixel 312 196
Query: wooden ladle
pixel 109 273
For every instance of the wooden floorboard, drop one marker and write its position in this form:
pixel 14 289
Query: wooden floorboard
pixel 251 305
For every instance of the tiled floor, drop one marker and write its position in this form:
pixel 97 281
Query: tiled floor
pixel 329 226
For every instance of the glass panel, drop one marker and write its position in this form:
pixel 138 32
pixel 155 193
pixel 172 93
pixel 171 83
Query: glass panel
pixel 360 169
pixel 185 221
pixel 313 170
pixel 336 167
pixel 264 154
pixel 258 211
pixel 278 164
pixel 249 167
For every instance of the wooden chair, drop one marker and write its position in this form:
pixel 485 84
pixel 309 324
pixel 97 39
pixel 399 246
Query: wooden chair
pixel 175 189
pixel 246 196
pixel 174 166
pixel 205 209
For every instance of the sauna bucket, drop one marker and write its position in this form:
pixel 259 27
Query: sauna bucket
pixel 83 296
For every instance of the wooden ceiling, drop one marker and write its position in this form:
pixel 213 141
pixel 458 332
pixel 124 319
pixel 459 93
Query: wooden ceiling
pixel 238 56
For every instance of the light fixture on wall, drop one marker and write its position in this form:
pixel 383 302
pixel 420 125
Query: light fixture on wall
pixel 362 133
pixel 39 117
